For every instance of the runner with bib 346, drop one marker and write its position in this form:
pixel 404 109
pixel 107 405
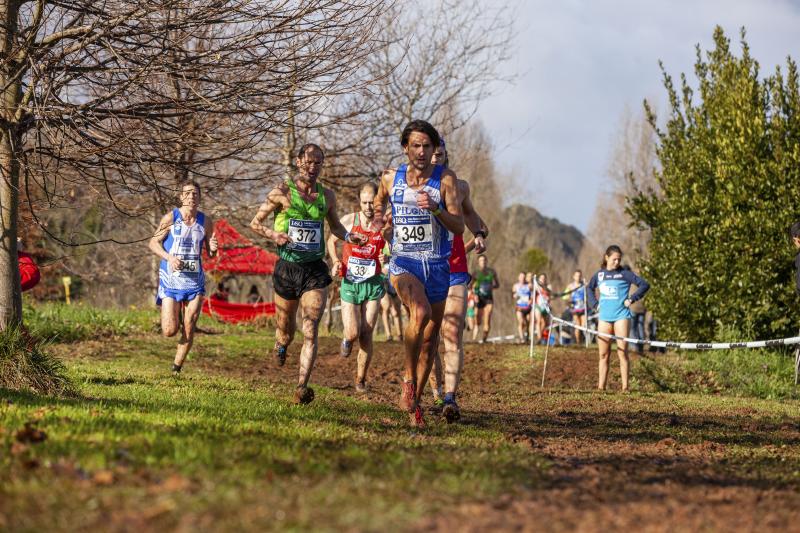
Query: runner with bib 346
pixel 301 206
pixel 425 207
pixel 362 283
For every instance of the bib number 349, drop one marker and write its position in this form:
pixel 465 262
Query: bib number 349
pixel 414 233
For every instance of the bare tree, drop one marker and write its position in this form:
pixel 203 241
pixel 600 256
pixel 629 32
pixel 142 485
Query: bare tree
pixel 120 99
pixel 631 168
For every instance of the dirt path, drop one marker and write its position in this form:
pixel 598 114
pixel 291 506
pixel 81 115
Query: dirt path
pixel 640 462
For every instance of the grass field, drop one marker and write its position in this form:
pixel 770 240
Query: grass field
pixel 223 448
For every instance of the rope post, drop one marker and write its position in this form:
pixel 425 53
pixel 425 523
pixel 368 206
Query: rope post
pixel 547 348
pixel 796 364
pixel 532 325
pixel 586 311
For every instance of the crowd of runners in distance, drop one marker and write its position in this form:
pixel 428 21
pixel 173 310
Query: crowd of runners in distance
pixel 403 249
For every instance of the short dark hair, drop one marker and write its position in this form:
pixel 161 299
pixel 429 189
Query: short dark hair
pixel 420 126
pixel 794 230
pixel 193 183
pixel 301 153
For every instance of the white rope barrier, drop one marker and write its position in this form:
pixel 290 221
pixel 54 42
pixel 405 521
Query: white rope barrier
pixel 690 345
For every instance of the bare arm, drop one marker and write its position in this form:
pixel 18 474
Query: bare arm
pixel 333 253
pixel 337 229
pixel 495 279
pixel 156 243
pixel 379 221
pixel 271 204
pixel 451 217
pixel 212 245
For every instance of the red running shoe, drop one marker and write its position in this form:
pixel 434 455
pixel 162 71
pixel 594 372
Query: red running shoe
pixel 416 418
pixel 408 397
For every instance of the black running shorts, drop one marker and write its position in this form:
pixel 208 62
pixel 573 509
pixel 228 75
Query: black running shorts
pixel 291 280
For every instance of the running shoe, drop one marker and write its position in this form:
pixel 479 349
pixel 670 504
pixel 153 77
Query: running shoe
pixel 417 420
pixel 408 395
pixel 346 348
pixel 176 369
pixel 303 395
pixel 438 404
pixel 451 411
pixel 361 386
pixel 280 354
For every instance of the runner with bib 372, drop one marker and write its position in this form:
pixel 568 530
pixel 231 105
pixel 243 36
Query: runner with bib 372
pixel 362 282
pixel 425 207
pixel 301 206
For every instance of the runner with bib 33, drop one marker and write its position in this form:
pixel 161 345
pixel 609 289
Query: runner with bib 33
pixel 362 282
pixel 425 207
pixel 301 206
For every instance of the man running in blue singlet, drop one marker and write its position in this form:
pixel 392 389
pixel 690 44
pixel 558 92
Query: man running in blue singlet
pixel 425 207
pixel 179 240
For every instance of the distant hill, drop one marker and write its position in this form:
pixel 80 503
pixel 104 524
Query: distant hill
pixel 525 227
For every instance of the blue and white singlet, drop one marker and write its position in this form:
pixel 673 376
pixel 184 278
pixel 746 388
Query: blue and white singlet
pixel 523 293
pixel 418 234
pixel 186 243
pixel 421 244
pixel 578 299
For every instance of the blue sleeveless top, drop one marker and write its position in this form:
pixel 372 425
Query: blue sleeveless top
pixel 418 234
pixel 186 243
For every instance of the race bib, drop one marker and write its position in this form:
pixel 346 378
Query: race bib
pixel 188 266
pixel 359 270
pixel 306 235
pixel 414 233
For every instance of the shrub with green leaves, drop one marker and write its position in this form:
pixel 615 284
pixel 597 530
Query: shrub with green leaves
pixel 728 189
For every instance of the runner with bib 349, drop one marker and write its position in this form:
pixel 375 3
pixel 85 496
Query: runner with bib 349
pixel 362 282
pixel 425 207
pixel 301 206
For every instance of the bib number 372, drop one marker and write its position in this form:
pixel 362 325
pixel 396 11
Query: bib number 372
pixel 306 235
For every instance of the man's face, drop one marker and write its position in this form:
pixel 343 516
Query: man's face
pixel 310 164
pixel 482 261
pixel 419 150
pixel 190 196
pixel 365 201
pixel 439 155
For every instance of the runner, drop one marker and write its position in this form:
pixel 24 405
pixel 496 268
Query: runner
pixel 456 304
pixel 577 302
pixel 425 206
pixel 541 307
pixel 179 241
pixel 362 283
pixel 391 308
pixel 614 284
pixel 301 276
pixel 484 284
pixel 522 294
pixel 472 301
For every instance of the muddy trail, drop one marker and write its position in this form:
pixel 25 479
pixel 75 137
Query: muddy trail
pixel 643 461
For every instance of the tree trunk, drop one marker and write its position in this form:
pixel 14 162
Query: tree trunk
pixel 10 147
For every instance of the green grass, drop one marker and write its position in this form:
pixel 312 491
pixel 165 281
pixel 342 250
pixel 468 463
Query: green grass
pixel 247 457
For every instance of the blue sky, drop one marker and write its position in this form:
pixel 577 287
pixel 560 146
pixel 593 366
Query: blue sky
pixel 582 62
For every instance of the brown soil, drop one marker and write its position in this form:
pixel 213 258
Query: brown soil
pixel 612 467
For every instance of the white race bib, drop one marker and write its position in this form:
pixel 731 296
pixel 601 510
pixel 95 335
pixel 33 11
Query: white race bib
pixel 306 235
pixel 359 270
pixel 414 233
pixel 608 290
pixel 188 266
